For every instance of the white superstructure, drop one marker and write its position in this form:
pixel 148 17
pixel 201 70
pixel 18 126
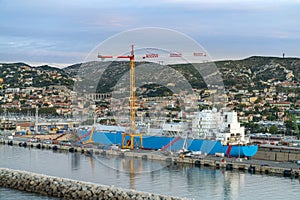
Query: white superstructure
pixel 224 125
pixel 175 129
pixel 206 124
pixel 211 125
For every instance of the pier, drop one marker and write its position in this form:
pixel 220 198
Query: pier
pixel 269 167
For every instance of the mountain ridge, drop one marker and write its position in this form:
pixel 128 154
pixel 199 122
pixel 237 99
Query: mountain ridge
pixel 250 72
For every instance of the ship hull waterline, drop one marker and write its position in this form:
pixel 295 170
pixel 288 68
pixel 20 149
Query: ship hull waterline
pixel 209 147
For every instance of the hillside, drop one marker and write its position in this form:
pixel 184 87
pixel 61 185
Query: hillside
pixel 21 75
pixel 251 73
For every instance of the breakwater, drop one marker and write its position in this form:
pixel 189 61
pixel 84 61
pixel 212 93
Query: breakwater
pixel 67 188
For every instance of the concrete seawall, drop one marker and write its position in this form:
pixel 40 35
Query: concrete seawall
pixel 69 189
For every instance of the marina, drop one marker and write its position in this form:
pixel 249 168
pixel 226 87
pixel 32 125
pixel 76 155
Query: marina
pixel 159 100
pixel 209 140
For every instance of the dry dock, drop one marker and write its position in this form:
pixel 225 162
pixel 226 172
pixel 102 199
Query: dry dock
pixel 288 169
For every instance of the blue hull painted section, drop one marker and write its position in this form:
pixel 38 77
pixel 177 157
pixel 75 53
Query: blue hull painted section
pixel 157 142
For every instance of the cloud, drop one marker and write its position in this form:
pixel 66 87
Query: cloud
pixel 78 26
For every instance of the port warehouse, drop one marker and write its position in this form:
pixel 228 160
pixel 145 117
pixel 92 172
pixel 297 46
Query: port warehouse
pixel 278 139
pixel 26 127
pixel 278 153
pixel 276 148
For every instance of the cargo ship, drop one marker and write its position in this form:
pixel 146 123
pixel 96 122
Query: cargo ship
pixel 212 133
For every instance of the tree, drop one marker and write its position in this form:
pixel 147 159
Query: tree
pixel 45 104
pixel 258 100
pixel 271 117
pixel 289 125
pixel 48 111
pixel 273 129
pixel 252 127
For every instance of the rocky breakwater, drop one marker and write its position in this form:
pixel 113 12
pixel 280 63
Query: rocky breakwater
pixel 69 189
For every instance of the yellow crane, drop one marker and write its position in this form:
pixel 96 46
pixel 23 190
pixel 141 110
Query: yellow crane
pixel 132 133
pixel 129 144
pixel 90 140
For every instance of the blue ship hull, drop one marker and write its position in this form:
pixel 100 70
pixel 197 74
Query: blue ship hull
pixel 209 147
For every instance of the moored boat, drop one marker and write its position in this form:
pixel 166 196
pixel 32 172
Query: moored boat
pixel 212 132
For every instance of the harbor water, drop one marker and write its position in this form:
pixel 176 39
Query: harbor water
pixel 145 175
pixel 9 194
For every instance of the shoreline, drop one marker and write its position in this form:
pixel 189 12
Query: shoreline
pixel 239 164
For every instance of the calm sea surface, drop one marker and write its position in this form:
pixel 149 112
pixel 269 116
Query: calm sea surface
pixel 9 194
pixel 149 176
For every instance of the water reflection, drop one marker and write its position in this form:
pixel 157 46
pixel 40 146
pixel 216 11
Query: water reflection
pixel 75 161
pixel 208 181
pixel 150 176
pixel 92 164
pixel 232 183
pixel 132 168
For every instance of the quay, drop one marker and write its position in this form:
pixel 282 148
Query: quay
pixel 278 153
pixel 288 169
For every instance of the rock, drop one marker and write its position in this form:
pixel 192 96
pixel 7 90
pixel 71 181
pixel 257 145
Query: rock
pixel 68 189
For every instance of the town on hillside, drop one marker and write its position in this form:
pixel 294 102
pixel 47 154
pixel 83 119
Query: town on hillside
pixel 263 90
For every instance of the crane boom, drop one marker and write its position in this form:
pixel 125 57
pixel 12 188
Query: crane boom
pixel 132 134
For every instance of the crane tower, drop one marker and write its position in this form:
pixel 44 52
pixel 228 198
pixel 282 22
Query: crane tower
pixel 132 133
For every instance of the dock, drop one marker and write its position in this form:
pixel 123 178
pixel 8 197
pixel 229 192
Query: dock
pixel 253 166
pixel 278 153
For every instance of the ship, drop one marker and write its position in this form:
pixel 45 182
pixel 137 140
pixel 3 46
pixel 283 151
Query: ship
pixel 205 132
pixel 211 132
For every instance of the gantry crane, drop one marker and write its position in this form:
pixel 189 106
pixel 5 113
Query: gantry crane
pixel 129 144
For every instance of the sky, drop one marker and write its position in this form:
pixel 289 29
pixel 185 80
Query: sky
pixel 63 32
